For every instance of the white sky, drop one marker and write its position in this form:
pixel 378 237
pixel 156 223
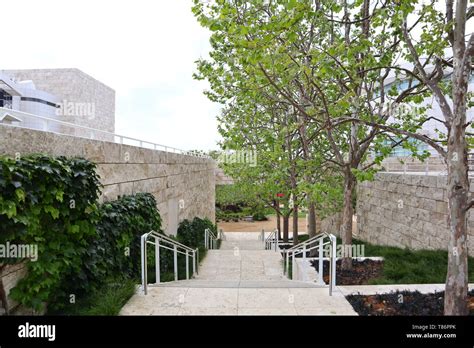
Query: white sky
pixel 144 49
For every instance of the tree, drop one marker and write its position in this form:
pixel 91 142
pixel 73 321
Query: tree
pixel 447 29
pixel 332 63
pixel 432 41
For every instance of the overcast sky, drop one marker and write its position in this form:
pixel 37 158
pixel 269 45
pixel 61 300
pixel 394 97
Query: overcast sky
pixel 144 49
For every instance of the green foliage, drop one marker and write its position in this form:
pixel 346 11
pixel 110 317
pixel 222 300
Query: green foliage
pixel 191 233
pixel 114 250
pixel 259 216
pixel 51 203
pixel 108 299
pixel 234 202
pixel 233 195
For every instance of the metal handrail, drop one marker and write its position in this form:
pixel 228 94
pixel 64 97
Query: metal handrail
pixel 92 131
pixel 307 241
pixel 311 244
pixel 210 239
pixel 271 242
pixel 165 242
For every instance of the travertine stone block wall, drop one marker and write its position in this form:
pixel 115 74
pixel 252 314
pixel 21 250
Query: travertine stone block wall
pixel 332 224
pixel 407 210
pixel 127 169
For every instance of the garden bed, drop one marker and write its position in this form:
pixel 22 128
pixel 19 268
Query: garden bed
pixel 402 303
pixel 363 271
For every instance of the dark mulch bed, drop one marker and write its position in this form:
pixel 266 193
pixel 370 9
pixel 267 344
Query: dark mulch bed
pixel 361 273
pixel 402 303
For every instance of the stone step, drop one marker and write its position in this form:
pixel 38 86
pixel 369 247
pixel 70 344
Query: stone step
pixel 196 283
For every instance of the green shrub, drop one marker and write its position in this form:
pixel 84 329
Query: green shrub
pixel 51 203
pixel 234 202
pixel 191 233
pixel 108 299
pixel 259 216
pixel 233 195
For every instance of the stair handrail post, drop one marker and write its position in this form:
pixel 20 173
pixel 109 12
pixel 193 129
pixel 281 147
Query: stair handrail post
pixel 144 263
pixel 157 261
pixel 187 264
pixel 197 261
pixel 332 273
pixel 320 262
pixel 293 265
pixel 194 262
pixel 175 259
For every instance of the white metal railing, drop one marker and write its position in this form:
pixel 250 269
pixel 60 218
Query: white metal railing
pixel 164 242
pixel 271 242
pixel 317 242
pixel 433 165
pixel 210 239
pixel 45 124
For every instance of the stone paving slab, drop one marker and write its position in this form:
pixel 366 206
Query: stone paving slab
pixel 237 301
pixel 245 265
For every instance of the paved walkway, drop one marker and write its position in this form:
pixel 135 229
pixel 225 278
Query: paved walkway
pixel 239 279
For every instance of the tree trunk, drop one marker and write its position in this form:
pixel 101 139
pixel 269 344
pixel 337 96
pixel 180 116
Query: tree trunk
pixel 311 220
pixel 295 224
pixel 286 226
pixel 278 220
pixel 312 226
pixel 347 213
pixel 455 299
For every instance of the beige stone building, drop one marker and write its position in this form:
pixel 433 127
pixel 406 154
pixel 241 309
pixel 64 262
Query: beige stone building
pixel 67 95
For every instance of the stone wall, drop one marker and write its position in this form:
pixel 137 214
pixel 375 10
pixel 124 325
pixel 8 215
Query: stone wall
pixel 222 178
pixel 9 277
pixel 184 186
pixel 406 210
pixel 332 224
pixel 173 179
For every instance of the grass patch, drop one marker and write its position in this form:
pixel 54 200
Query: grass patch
pixel 405 266
pixel 107 300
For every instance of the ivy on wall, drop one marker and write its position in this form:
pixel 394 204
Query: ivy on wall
pixel 51 203
pixel 113 252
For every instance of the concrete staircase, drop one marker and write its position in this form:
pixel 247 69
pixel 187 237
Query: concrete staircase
pixel 240 278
